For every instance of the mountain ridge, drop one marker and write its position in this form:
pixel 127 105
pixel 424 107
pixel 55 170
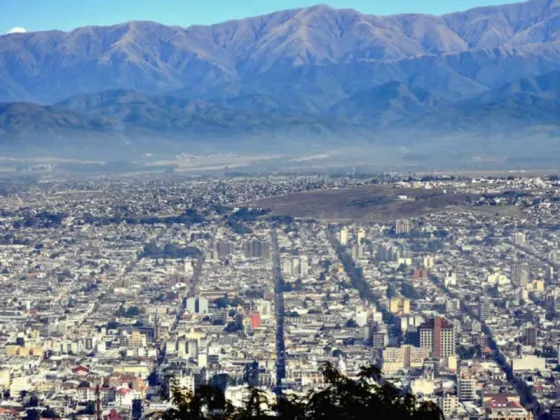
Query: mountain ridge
pixel 385 115
pixel 468 50
pixel 320 76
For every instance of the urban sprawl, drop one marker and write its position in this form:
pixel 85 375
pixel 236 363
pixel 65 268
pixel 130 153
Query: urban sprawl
pixel 114 289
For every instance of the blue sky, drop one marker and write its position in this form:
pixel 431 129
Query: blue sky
pixel 34 15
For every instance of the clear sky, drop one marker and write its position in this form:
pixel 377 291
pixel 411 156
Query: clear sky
pixel 35 15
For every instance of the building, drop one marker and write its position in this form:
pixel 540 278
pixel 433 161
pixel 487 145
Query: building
pixel 529 363
pixel 420 273
pixel 256 249
pixel 255 320
pixel 480 340
pixel 555 411
pixel 295 266
pixel 450 279
pixel 379 339
pixel 439 336
pixel 530 336
pixel 403 357
pixel 448 405
pixel 197 305
pixel 186 382
pixel 221 249
pixel 428 262
pixel 484 309
pixel 466 389
pixel 505 407
pixel 361 235
pixel 343 236
pixel 519 238
pixel 549 277
pixel 399 305
pixel 520 274
pixel 402 226
pixel 264 308
pixel 357 252
pixel 136 340
pixel 385 252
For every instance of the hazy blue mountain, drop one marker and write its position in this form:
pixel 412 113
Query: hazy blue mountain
pixel 312 57
pixel 392 114
pixel 386 103
pixel 134 123
pixel 528 104
pixel 293 80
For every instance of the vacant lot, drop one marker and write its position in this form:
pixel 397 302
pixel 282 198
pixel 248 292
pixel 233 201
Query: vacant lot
pixel 376 203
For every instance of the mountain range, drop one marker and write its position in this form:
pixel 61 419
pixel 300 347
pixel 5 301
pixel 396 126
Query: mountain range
pixel 321 74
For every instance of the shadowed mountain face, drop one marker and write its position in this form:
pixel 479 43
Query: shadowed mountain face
pixel 295 80
pixel 311 57
pixel 390 114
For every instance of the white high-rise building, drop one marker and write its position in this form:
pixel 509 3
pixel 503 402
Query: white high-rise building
pixel 448 405
pixel 428 261
pixel 197 305
pixel 450 279
pixel 343 236
pixel 303 266
pixel 466 389
pixel 402 226
pixel 439 336
pixel 520 274
pixel 361 235
pixel 519 238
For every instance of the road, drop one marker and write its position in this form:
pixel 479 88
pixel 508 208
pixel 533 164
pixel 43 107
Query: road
pixel 533 254
pixel 279 309
pixel 527 398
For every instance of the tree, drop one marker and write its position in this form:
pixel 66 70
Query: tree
pixel 222 302
pixel 232 327
pixel 33 401
pixel 206 403
pixel 49 413
pixel 132 311
pixel 33 414
pixel 90 408
pixel 367 397
pixel 351 324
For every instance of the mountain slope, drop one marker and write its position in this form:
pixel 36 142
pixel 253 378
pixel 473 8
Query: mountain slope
pixel 311 57
pixel 384 104
pixel 390 116
pixel 526 104
pixel 133 123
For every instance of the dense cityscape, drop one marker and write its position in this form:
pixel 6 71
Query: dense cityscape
pixel 116 288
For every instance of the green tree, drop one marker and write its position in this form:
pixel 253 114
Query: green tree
pixel 367 397
pixel 207 403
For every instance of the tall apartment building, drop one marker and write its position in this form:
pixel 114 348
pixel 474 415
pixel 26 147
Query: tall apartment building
pixel 402 226
pixel 197 305
pixel 520 274
pixel 448 405
pixel 256 249
pixel 530 336
pixel 343 236
pixel 428 262
pixel 466 389
pixel 403 357
pixel 484 309
pixel 222 249
pixel 361 235
pixel 399 305
pixel 519 238
pixel 439 336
